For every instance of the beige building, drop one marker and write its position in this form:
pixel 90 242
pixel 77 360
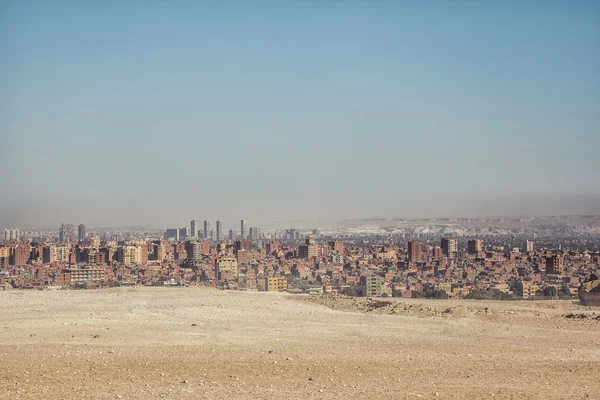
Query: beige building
pixel 227 264
pixel 61 254
pixel 276 284
pixel 309 250
pixel 129 255
pixel 529 246
pixel 87 274
pixel 475 246
pixel 450 247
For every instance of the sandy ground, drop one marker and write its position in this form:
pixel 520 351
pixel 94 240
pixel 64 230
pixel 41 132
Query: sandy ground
pixel 189 343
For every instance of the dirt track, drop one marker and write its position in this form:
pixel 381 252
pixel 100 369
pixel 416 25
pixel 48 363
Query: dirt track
pixel 192 343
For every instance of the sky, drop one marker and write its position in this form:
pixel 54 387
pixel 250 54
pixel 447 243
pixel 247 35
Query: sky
pixel 158 112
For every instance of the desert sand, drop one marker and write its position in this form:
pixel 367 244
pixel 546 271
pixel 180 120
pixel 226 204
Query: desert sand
pixel 202 343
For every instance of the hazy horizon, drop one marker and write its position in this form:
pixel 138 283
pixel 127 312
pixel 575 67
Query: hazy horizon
pixel 538 206
pixel 156 113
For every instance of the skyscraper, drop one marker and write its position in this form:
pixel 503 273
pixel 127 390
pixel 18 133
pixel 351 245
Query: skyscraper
pixel 219 230
pixel 172 234
pixel 184 233
pixel 81 233
pixel 254 233
pixel 206 229
pixel 243 229
pixel 66 233
pixel 231 234
pixel 193 229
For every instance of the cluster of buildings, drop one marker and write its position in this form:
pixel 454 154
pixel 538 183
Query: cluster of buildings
pixel 248 261
pixel 218 233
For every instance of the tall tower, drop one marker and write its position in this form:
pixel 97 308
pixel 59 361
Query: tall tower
pixel 254 233
pixel 243 229
pixel 66 233
pixel 81 233
pixel 194 233
pixel 206 230
pixel 219 230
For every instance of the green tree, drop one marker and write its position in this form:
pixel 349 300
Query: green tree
pixel 549 291
pixel 355 290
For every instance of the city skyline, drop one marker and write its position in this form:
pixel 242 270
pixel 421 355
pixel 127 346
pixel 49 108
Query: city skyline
pixel 300 199
pixel 297 111
pixel 207 226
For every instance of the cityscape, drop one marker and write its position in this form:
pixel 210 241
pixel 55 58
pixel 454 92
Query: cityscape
pixel 410 262
pixel 298 200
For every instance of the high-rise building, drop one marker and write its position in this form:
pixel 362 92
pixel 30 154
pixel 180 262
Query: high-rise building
pixel 475 246
pixel 254 233
pixel 12 235
pixel 219 230
pixel 160 251
pixel 243 229
pixel 207 230
pixel 193 229
pixel 194 250
pixel 172 234
pixel 66 233
pixel 130 255
pixel 184 233
pixel 414 252
pixel 48 255
pixel 61 254
pixel 450 247
pixel 232 234
pixel 81 232
pixel 19 255
pixel 529 246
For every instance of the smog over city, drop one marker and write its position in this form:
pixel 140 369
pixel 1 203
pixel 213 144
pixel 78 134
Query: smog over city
pixel 299 199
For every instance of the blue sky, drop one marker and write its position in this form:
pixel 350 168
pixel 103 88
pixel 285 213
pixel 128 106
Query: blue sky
pixel 162 111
